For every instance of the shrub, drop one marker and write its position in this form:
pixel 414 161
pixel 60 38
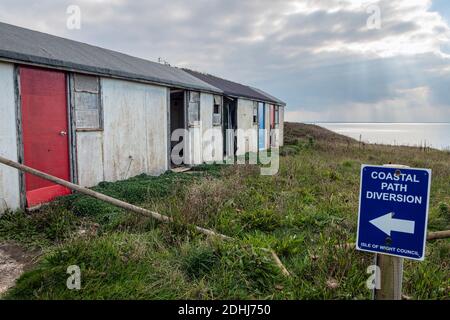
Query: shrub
pixel 264 220
pixel 199 261
pixel 250 268
pixel 289 245
pixel 444 211
pixel 51 224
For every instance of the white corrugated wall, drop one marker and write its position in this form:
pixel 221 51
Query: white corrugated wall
pixel 9 177
pixel 134 139
pixel 90 158
pixel 247 140
pixel 281 126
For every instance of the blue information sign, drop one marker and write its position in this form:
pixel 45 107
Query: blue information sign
pixel 393 211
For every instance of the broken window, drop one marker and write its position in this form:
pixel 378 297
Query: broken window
pixel 194 108
pixel 255 113
pixel 86 100
pixel 217 111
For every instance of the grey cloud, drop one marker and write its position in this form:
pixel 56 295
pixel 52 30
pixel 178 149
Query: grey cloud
pixel 264 43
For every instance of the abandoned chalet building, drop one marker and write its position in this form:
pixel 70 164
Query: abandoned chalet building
pixel 87 114
pixel 248 109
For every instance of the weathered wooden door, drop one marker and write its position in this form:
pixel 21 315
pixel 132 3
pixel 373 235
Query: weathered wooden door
pixel 45 132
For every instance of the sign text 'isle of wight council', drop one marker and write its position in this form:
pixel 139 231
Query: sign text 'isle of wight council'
pixel 393 211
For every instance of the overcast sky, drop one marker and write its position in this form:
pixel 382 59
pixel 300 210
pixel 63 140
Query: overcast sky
pixel 320 56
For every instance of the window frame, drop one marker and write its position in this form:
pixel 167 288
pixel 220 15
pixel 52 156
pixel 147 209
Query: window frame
pixel 98 93
pixel 196 122
pixel 217 117
pixel 255 113
pixel 276 119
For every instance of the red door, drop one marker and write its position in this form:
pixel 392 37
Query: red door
pixel 272 117
pixel 45 132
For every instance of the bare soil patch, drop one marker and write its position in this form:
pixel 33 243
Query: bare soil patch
pixel 14 260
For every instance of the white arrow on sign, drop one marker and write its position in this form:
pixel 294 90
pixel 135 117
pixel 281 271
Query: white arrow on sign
pixel 387 224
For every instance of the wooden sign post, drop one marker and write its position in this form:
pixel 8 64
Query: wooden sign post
pixel 391 271
pixel 390 277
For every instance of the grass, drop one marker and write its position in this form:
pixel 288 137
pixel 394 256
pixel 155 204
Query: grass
pixel 303 213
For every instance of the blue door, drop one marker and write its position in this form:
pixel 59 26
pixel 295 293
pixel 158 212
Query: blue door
pixel 262 126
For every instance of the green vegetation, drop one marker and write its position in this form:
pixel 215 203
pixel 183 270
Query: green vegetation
pixel 305 213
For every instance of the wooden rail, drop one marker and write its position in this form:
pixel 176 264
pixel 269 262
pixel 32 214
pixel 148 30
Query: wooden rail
pixel 124 205
pixel 438 235
pixel 102 197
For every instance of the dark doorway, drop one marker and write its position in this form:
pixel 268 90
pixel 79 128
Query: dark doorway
pixel 177 116
pixel 229 126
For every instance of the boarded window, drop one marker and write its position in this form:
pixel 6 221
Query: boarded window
pixel 86 83
pixel 87 102
pixel 255 112
pixel 194 108
pixel 217 111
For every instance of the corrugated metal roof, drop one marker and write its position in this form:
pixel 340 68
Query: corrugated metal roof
pixel 234 89
pixel 270 97
pixel 27 46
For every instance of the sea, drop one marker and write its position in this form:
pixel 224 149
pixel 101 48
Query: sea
pixel 434 135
